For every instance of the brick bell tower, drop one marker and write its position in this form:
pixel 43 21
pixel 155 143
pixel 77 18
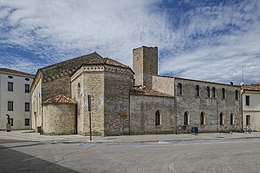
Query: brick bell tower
pixel 145 65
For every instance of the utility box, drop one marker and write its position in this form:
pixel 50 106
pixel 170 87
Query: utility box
pixel 8 127
pixel 194 130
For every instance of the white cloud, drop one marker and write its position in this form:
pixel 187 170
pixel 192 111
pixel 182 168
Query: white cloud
pixel 61 29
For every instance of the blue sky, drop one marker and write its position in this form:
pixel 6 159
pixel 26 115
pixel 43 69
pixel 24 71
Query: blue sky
pixel 205 40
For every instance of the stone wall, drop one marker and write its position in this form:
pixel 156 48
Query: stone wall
pixel 212 107
pixel 37 103
pixel 163 84
pixel 55 87
pixel 145 64
pixel 91 79
pixel 77 88
pixel 116 101
pixel 58 119
pixel 142 114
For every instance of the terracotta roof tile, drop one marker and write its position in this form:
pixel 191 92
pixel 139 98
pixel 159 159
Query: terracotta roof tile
pixel 59 99
pixel 252 87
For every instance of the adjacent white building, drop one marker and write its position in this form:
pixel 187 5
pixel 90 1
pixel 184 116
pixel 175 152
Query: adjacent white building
pixel 251 106
pixel 15 98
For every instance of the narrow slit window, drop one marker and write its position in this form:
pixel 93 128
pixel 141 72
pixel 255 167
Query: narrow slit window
pixel 202 118
pixel 179 89
pixel 186 118
pixel 214 92
pixel 157 118
pixel 197 89
pixel 221 119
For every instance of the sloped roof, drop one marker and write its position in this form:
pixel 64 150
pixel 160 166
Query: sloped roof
pixel 15 72
pixel 59 99
pixel 255 87
pixel 72 65
pixel 110 61
pixel 148 92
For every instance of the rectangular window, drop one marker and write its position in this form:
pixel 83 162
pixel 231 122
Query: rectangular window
pixel 10 86
pixel 221 119
pixel 214 92
pixel 12 121
pixel 247 100
pixel 179 89
pixel 202 119
pixel 223 93
pixel 27 122
pixel 27 88
pixel 231 119
pixel 208 92
pixel 236 93
pixel 197 91
pixel 27 106
pixel 10 106
pixel 248 120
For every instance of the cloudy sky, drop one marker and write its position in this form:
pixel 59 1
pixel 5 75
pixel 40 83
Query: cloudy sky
pixel 207 40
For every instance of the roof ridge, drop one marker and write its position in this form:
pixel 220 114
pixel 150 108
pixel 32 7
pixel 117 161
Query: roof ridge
pixel 16 71
pixel 60 98
pixel 72 59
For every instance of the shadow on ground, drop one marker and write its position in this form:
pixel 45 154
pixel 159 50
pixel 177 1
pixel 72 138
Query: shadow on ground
pixel 15 161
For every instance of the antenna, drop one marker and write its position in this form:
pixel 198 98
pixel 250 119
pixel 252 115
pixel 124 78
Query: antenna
pixel 242 79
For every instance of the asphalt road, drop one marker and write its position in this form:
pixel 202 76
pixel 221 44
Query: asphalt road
pixel 242 155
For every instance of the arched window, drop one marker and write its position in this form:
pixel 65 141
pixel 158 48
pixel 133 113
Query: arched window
pixel 197 91
pixel 186 118
pixel 208 92
pixel 202 118
pixel 221 119
pixel 236 94
pixel 231 119
pixel 157 118
pixel 179 89
pixel 223 93
pixel 214 92
pixel 78 93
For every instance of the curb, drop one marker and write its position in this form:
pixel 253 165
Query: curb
pixel 152 141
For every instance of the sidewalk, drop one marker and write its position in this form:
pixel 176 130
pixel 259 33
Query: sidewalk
pixel 36 137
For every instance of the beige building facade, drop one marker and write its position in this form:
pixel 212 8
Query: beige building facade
pixel 15 98
pixel 138 101
pixel 251 106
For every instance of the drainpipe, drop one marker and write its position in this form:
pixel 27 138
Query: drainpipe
pixel 217 117
pixel 241 107
pixel 129 109
pixel 176 116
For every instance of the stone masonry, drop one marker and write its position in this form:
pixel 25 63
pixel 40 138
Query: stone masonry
pixel 131 102
pixel 210 106
pixel 145 64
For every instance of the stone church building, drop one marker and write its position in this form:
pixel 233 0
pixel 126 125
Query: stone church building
pixel 126 101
